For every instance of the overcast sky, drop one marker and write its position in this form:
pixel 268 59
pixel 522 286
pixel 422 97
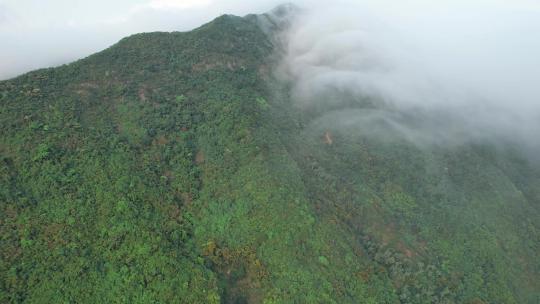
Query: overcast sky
pixel 42 33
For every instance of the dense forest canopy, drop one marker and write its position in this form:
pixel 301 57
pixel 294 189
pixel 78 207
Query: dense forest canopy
pixel 176 168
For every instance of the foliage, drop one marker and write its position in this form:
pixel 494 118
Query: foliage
pixel 173 167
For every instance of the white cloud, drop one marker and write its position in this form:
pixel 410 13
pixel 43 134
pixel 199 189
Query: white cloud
pixel 89 26
pixel 478 65
pixel 178 4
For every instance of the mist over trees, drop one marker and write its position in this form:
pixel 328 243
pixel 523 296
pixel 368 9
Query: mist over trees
pixel 262 159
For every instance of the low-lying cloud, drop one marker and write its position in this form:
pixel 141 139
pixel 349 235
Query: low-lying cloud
pixel 455 75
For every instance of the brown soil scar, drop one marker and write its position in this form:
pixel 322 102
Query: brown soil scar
pixel 328 138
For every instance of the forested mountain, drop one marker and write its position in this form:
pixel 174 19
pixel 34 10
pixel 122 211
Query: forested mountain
pixel 175 168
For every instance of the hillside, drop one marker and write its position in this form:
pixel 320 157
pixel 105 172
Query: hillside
pixel 175 168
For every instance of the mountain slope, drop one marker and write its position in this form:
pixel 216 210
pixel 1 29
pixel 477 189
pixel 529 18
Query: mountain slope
pixel 173 167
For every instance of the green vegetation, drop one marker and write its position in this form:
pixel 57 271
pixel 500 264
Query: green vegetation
pixel 166 169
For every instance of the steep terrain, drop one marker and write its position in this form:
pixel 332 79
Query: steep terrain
pixel 175 168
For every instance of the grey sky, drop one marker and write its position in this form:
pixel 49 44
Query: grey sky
pixel 37 33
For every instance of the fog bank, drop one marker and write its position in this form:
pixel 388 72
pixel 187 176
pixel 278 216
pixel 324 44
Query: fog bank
pixel 458 73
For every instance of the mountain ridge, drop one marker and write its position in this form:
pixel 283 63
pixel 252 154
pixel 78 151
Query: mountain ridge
pixel 174 167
